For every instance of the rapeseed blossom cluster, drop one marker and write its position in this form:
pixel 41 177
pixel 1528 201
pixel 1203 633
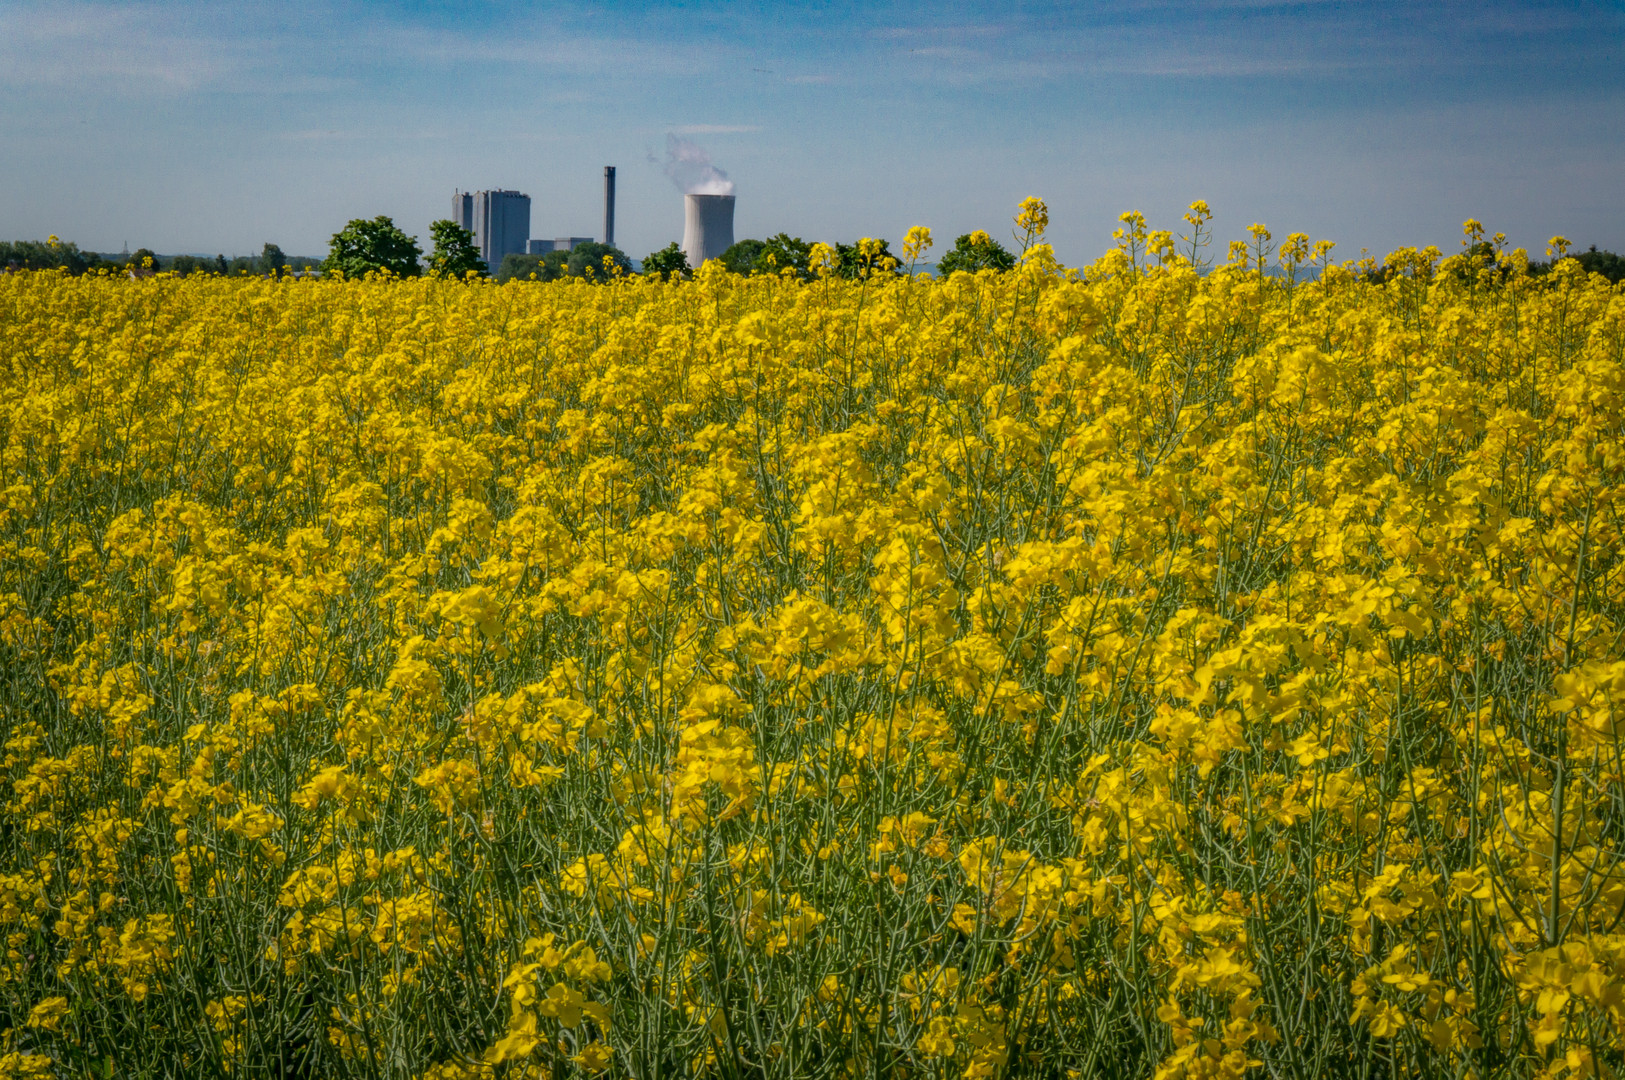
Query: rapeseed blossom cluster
pixel 1160 669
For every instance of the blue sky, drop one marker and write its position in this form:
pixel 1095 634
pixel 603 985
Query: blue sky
pixel 218 127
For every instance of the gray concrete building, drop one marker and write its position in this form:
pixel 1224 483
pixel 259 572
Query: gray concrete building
pixel 562 243
pixel 499 220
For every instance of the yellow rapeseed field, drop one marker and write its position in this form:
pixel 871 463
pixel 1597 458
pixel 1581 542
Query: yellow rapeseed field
pixel 1149 670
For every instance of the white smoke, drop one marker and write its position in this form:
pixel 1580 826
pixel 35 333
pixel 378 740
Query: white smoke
pixel 690 168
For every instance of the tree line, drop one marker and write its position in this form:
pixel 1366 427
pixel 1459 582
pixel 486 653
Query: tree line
pixel 378 244
pixel 55 254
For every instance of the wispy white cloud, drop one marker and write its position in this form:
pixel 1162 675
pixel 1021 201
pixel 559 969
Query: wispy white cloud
pixel 546 46
pixel 1522 21
pixel 716 129
pixel 126 49
pixel 952 32
pixel 947 52
pixel 320 135
pixel 1224 65
pixel 129 49
pixel 1226 39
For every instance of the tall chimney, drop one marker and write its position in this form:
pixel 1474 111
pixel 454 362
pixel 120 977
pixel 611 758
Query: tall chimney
pixel 708 227
pixel 609 205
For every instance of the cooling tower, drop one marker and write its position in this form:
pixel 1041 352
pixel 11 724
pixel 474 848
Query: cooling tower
pixel 708 227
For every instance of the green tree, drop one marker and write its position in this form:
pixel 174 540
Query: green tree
pixel 587 260
pixel 784 251
pixel 51 254
pixel 975 251
pixel 667 261
pixel 741 257
pixel 454 252
pixel 546 267
pixel 363 246
pixel 1606 263
pixel 139 259
pixel 190 264
pixel 272 260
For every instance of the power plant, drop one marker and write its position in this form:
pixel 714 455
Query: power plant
pixel 500 219
pixel 500 222
pixel 708 227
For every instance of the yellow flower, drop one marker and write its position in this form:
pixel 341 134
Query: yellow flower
pixel 917 242
pixel 1386 1021
pixel 705 644
pixel 938 1038
pixel 48 1013
pixel 1033 218
pixel 594 1057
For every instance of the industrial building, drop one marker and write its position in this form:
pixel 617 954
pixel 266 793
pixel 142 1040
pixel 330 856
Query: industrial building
pixel 562 243
pixel 499 220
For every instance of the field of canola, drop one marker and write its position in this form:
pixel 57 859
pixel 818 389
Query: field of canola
pixel 1129 672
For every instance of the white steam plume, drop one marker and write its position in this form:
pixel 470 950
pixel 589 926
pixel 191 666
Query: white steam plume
pixel 690 168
